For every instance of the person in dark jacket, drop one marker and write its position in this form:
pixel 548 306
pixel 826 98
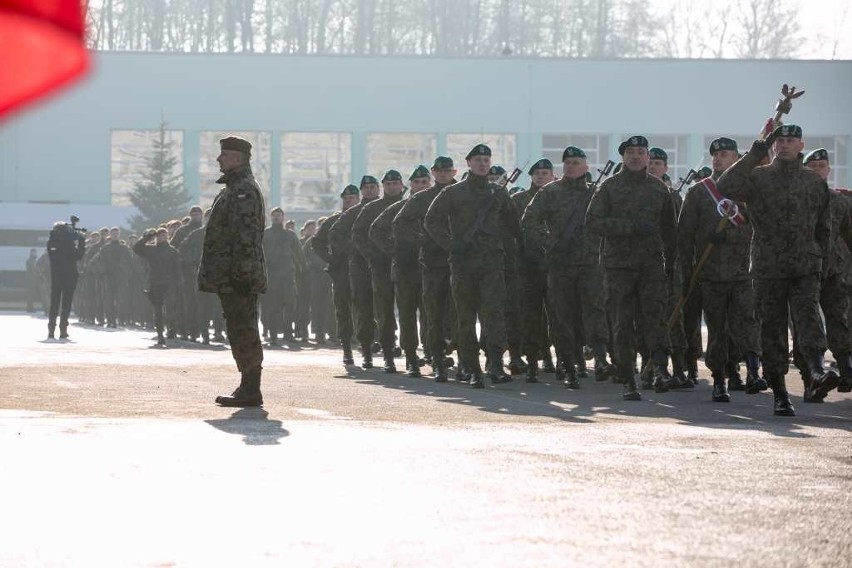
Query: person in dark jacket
pixel 65 247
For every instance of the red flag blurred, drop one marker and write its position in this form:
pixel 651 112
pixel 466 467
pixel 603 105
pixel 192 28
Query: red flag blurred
pixel 42 47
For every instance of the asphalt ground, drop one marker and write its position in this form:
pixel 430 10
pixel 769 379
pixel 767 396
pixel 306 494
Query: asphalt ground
pixel 114 454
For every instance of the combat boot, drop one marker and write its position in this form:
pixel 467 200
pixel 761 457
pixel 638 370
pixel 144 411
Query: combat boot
pixel 602 367
pixel 663 381
pixel 439 369
pixel 532 371
pixel 495 368
pixel 582 370
pixel 547 362
pixel 570 378
pixel 754 382
pixel 821 381
pixel 63 330
pixel 782 405
pixel 517 365
pixel 630 391
pixel 348 359
pixel 732 371
pixel 390 366
pixel 681 381
pixel 412 365
pixel 720 389
pixel 844 365
pixel 247 394
pixel 51 328
pixel 366 356
pixel 161 341
pixel 692 371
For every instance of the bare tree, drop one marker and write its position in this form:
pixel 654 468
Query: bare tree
pixel 768 30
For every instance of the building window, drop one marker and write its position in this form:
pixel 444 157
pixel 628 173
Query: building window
pixel 676 148
pixel 502 148
pixel 208 168
pixel 401 152
pixel 315 166
pixel 130 152
pixel 596 147
pixel 838 157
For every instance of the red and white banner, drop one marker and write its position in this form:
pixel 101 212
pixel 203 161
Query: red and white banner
pixel 723 203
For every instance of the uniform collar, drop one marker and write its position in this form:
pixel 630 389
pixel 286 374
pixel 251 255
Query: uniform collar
pixel 235 174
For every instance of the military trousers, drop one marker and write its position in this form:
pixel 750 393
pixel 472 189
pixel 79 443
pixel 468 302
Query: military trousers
pixel 163 301
pixel 409 300
pixel 479 290
pixel 533 280
pixel 732 327
pixel 240 311
pixel 627 288
pixel 383 304
pixel 677 332
pixel 342 296
pixel 437 303
pixel 112 297
pixel 280 297
pixel 191 321
pixel 513 312
pixel 61 295
pixel 575 304
pixel 834 300
pixel 319 283
pixel 361 286
pixel 794 298
pixel 692 323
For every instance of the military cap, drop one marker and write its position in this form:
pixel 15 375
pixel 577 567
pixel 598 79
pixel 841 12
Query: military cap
pixel 276 210
pixel 419 172
pixel 350 190
pixel 478 150
pixel 443 163
pixel 788 131
pixel 542 164
pixel 633 142
pixel 392 175
pixel 658 154
pixel 496 171
pixel 368 179
pixel 236 143
pixel 723 144
pixel 573 152
pixel 196 208
pixel 815 155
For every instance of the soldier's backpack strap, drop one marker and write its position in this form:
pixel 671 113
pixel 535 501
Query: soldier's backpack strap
pixel 484 206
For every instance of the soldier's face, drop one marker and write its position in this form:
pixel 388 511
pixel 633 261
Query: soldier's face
pixel 349 201
pixel 821 167
pixel 115 235
pixel 162 237
pixel 574 167
pixel 393 188
pixel 229 160
pixel 542 177
pixel 310 230
pixel 195 216
pixel 657 168
pixel 635 158
pixel 419 184
pixel 444 175
pixel 479 165
pixel 723 159
pixel 370 190
pixel 788 148
pixel 278 218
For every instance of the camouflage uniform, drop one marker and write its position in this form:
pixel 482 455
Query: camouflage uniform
pixel 318 282
pixel 232 264
pixel 113 263
pixel 189 293
pixel 476 265
pixel 337 267
pixel 164 278
pixel 634 213
pixel 207 305
pixel 284 263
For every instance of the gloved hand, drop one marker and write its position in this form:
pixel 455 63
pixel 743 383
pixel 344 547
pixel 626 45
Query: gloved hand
pixel 760 148
pixel 719 237
pixel 149 233
pixel 643 227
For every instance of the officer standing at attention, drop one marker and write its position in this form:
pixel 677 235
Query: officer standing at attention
pixel 232 264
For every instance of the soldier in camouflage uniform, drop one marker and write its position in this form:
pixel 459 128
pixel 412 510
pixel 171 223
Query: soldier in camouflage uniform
pixel 633 212
pixel 468 220
pixel 554 225
pixel 789 207
pixel 727 290
pixel 284 263
pixel 405 271
pixel 380 263
pixel 338 269
pixel 532 273
pixel 360 281
pixel 189 294
pixel 834 292
pixel 409 235
pixel 113 263
pixel 164 274
pixel 232 265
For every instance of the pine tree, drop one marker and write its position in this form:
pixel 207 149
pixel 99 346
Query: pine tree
pixel 161 195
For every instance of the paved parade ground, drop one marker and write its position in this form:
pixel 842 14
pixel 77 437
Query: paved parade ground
pixel 114 454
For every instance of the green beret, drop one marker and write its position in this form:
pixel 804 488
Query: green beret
pixel 368 179
pixel 419 172
pixel 443 163
pixel 818 154
pixel 496 171
pixel 633 142
pixel 392 175
pixel 723 144
pixel 788 131
pixel 573 152
pixel 658 154
pixel 236 143
pixel 542 164
pixel 350 190
pixel 478 150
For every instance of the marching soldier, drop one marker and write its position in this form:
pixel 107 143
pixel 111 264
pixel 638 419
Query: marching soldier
pixel 338 269
pixel 789 207
pixel 361 286
pixel 113 263
pixel 284 263
pixel 467 220
pixel 232 265
pixel 727 290
pixel 164 274
pixel 405 271
pixel 634 214
pixel 410 235
pixel 554 222
pixel 380 263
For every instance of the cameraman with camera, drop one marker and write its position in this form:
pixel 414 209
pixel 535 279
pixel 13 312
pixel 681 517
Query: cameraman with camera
pixel 65 246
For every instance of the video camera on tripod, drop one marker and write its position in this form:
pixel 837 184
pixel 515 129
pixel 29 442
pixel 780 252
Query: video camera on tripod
pixel 73 225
